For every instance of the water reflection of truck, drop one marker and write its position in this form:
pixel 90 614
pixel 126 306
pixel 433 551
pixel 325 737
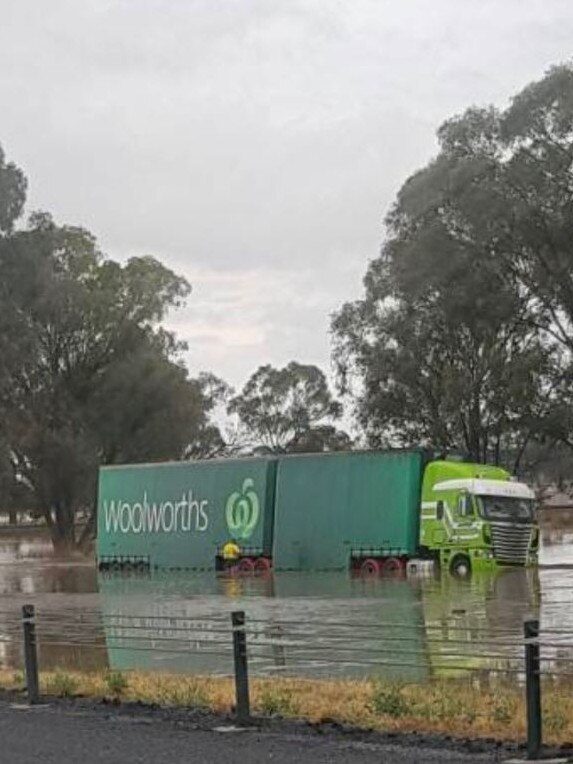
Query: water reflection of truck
pixel 478 623
pixel 298 624
pixel 366 511
pixel 320 624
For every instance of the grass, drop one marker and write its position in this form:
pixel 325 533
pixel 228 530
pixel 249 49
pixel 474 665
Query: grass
pixel 62 684
pixel 492 710
pixel 116 683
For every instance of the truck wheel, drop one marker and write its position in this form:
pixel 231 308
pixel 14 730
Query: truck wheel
pixel 246 565
pixel 371 568
pixel 461 566
pixel 262 565
pixel 393 566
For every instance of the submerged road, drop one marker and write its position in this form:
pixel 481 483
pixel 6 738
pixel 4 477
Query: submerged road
pixel 72 734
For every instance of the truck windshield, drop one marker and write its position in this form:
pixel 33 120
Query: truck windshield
pixel 505 508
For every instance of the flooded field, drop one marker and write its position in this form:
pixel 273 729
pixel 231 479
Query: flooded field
pixel 82 615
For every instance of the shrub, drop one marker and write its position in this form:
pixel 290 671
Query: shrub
pixel 555 720
pixel 62 685
pixel 189 694
pixel 503 710
pixel 274 701
pixel 116 683
pixel 388 700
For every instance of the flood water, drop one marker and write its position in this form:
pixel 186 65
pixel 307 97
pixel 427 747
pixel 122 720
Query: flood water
pixel 302 624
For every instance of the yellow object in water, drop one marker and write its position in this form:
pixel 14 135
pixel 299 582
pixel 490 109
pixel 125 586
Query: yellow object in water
pixel 231 551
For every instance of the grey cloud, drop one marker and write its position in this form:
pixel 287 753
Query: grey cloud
pixel 260 138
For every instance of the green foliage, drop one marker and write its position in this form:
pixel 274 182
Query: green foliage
pixel 463 338
pixel 503 710
pixel 289 409
pixel 279 702
pixel 388 700
pixel 12 193
pixel 555 720
pixel 116 683
pixel 62 685
pixel 206 440
pixel 87 373
pixel 187 693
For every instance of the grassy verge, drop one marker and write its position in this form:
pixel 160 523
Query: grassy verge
pixel 446 707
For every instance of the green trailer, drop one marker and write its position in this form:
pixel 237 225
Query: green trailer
pixel 180 514
pixel 336 509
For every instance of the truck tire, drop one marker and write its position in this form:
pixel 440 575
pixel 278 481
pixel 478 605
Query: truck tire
pixel 371 567
pixel 262 565
pixel 246 565
pixel 393 566
pixel 461 566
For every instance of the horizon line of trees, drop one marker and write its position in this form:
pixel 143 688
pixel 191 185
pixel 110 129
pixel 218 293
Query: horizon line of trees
pixel 461 342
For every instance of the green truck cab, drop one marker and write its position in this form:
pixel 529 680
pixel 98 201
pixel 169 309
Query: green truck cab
pixel 476 517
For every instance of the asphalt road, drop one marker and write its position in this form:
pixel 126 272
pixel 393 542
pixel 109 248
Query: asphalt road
pixel 70 734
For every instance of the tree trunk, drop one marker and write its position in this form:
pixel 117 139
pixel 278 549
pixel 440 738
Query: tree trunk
pixel 63 545
pixel 89 532
pixel 62 530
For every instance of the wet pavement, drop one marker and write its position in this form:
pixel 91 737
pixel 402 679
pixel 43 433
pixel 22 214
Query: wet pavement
pixel 68 734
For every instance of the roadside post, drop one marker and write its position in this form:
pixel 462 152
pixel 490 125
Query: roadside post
pixel 30 653
pixel 532 688
pixel 241 670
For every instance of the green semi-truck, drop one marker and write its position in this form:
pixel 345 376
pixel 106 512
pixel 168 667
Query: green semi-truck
pixel 373 512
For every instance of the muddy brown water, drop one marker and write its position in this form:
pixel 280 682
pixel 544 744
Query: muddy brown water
pixel 319 624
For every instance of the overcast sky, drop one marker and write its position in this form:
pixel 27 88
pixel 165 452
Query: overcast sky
pixel 252 145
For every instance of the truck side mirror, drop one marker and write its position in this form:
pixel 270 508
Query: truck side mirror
pixel 440 510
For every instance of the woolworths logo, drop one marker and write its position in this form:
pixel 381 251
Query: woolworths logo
pixel 242 511
pixel 183 514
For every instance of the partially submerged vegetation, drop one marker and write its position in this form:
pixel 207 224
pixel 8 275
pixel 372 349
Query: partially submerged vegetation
pixel 493 710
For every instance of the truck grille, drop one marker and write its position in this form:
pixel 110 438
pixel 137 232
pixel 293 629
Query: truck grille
pixel 510 542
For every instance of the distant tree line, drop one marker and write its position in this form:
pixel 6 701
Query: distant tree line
pixel 462 340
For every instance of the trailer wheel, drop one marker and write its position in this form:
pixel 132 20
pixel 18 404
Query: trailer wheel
pixel 246 565
pixel 371 567
pixel 262 565
pixel 461 566
pixel 393 566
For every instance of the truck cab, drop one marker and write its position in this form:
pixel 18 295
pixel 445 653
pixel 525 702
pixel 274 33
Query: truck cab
pixel 477 516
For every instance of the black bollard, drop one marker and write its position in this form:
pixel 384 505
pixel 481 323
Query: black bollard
pixel 243 709
pixel 532 689
pixel 30 653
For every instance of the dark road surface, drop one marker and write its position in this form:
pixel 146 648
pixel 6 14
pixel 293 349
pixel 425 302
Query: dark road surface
pixel 69 734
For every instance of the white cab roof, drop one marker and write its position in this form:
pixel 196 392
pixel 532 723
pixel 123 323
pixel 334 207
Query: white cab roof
pixel 487 487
